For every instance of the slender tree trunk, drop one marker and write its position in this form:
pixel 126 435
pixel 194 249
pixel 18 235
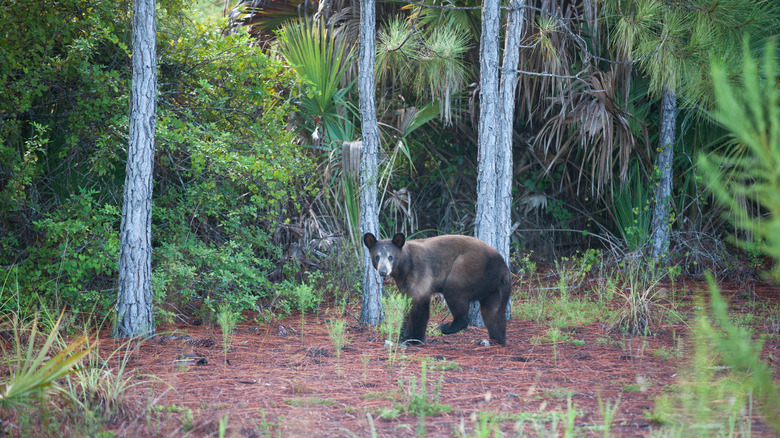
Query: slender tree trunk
pixel 661 223
pixel 487 224
pixel 371 310
pixel 514 30
pixel 135 300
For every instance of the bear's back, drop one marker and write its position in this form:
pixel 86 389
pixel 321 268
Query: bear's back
pixel 451 246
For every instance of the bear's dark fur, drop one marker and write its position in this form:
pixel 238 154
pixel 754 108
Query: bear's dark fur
pixel 461 268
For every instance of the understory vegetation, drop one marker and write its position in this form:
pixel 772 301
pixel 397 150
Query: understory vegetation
pixel 62 380
pixel 256 210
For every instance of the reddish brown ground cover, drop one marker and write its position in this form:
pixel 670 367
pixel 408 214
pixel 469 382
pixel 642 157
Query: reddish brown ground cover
pixel 293 384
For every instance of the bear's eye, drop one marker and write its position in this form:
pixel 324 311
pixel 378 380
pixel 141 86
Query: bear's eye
pixel 390 258
pixel 376 258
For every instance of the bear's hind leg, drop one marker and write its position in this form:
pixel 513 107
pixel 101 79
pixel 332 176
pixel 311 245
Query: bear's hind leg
pixel 460 317
pixel 417 321
pixel 493 310
pixel 496 326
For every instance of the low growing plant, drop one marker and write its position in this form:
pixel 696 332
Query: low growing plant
pixel 227 319
pixel 98 390
pixel 417 398
pixel 485 426
pixel 608 412
pixel 337 335
pixel 35 369
pixel 725 376
pixel 640 310
pixel 396 307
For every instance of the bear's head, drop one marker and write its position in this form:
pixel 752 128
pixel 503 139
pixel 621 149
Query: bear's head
pixel 386 253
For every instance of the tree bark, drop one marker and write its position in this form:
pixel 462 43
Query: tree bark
pixel 661 222
pixel 487 226
pixel 135 300
pixel 514 31
pixel 371 312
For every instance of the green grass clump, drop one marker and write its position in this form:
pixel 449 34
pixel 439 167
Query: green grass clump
pixel 34 372
pixel 418 398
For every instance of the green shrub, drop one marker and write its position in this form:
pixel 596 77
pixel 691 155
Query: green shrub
pixel 241 173
pixel 227 172
pixel 65 73
pixel 75 259
pixel 302 297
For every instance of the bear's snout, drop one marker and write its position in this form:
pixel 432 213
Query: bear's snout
pixel 384 275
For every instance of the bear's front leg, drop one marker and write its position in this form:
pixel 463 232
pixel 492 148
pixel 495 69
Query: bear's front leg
pixel 416 322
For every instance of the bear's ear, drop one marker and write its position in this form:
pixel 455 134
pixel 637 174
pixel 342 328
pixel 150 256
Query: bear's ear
pixel 399 239
pixel 369 240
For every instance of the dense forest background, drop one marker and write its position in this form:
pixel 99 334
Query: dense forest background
pixel 255 175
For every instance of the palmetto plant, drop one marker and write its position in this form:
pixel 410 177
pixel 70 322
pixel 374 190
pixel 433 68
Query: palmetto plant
pixel 322 60
pixel 630 208
pixel 593 119
pixel 34 372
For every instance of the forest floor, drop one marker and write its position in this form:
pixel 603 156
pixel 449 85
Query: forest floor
pixel 286 380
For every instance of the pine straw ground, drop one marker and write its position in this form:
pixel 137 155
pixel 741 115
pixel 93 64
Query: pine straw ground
pixel 294 385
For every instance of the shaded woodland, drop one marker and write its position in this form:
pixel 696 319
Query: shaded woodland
pixel 644 145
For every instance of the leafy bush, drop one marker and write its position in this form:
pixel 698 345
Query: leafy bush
pixel 68 264
pixel 230 173
pixel 66 73
pixel 227 172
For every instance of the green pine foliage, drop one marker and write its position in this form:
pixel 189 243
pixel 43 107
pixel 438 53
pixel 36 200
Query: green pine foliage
pixel 673 43
pixel 750 110
pixel 717 389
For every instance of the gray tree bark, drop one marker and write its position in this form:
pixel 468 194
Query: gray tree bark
pixel 514 31
pixel 494 179
pixel 371 312
pixel 135 300
pixel 661 222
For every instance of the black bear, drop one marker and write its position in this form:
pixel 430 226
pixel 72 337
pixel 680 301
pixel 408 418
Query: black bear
pixel 460 268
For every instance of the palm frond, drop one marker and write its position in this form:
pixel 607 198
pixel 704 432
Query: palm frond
pixel 596 122
pixel 321 60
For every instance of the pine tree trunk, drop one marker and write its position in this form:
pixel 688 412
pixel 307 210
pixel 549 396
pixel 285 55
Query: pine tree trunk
pixel 135 300
pixel 371 308
pixel 487 226
pixel 514 30
pixel 661 223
